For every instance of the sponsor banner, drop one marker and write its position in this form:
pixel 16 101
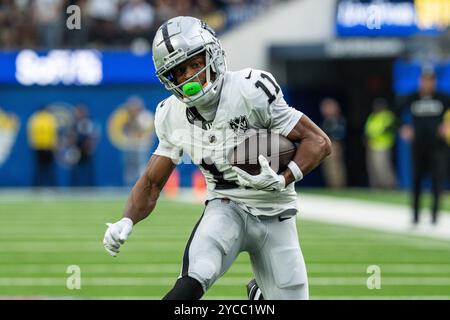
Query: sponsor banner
pixel 83 67
pixel 392 18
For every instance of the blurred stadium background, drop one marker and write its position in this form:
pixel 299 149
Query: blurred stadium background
pixel 77 96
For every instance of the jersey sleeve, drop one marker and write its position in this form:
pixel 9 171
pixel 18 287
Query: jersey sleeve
pixel 165 147
pixel 283 117
pixel 265 96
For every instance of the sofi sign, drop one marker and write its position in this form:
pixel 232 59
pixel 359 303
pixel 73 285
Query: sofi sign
pixel 391 18
pixel 76 67
pixel 67 67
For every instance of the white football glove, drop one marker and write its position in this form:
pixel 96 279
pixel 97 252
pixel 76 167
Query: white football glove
pixel 116 234
pixel 267 180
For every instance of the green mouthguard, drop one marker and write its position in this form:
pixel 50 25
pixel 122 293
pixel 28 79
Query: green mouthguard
pixel 192 88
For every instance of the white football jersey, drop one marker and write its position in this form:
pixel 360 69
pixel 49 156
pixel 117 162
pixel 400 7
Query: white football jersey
pixel 250 100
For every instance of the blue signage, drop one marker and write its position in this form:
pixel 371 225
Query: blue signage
pixel 83 67
pixel 392 17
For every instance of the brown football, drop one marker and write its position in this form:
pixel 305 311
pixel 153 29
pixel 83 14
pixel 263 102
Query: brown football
pixel 277 149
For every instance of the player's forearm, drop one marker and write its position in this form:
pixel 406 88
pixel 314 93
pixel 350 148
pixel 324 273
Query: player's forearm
pixel 142 199
pixel 310 153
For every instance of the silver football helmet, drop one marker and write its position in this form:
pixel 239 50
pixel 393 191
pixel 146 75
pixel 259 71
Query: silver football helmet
pixel 178 40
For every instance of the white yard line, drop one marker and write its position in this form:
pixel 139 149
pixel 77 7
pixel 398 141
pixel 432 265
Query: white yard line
pixel 328 209
pixel 370 215
pixel 229 281
pixel 313 268
pixel 363 214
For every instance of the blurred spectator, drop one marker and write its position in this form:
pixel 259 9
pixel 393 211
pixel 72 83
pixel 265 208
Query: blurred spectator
pixel 446 132
pixel 335 126
pixel 49 19
pixel 164 10
pixel 78 38
pixel 16 25
pixel 380 131
pixel 137 130
pixel 425 130
pixel 9 127
pixel 43 139
pixel 446 127
pixel 85 140
pixel 102 16
pixel 7 34
pixel 208 12
pixel 110 23
pixel 184 8
pixel 136 20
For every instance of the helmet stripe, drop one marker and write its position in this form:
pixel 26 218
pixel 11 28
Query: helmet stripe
pixel 165 33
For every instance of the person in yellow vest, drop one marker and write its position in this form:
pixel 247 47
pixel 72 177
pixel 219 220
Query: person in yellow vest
pixel 380 138
pixel 446 134
pixel 43 139
pixel 446 127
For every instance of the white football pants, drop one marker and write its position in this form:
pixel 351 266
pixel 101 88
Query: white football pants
pixel 225 230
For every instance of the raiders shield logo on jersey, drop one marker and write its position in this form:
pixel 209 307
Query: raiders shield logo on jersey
pixel 239 124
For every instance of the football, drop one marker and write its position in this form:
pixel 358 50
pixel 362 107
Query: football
pixel 277 149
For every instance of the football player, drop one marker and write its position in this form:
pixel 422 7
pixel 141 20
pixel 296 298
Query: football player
pixel 209 111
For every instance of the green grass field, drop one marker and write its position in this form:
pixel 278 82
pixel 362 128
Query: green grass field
pixel 39 239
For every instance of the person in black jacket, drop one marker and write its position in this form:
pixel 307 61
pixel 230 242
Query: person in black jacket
pixel 85 141
pixel 426 132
